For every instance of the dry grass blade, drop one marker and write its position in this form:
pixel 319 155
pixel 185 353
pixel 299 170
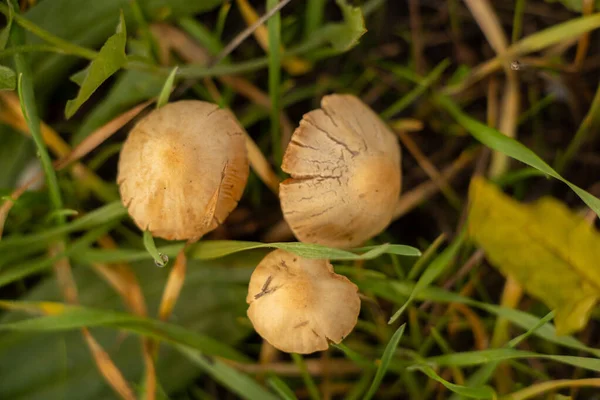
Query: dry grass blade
pixel 13 115
pixel 257 96
pixel 65 279
pixel 107 368
pixel 247 32
pixel 429 168
pixel 122 278
pixel 171 38
pixel 529 44
pixel 539 389
pixel 173 286
pixel 261 166
pixel 425 191
pixel 14 196
pixel 294 65
pixel 489 24
pixel 479 333
pixel 583 44
pixel 101 134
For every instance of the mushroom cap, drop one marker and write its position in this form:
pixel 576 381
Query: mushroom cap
pixel 182 169
pixel 299 305
pixel 345 180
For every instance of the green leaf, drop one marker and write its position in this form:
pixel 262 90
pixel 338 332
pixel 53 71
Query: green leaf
pixel 482 392
pixel 163 98
pixel 62 317
pixel 434 270
pixel 79 76
pixel 109 60
pixel 518 238
pixel 386 358
pixel 512 148
pixel 211 249
pixel 239 383
pixel 343 36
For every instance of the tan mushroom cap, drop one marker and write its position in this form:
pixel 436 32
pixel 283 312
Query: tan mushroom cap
pixel 183 169
pixel 345 181
pixel 299 305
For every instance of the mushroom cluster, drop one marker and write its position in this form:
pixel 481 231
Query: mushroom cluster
pixel 183 169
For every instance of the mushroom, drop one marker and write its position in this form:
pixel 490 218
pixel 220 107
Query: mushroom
pixel 183 169
pixel 299 305
pixel 345 180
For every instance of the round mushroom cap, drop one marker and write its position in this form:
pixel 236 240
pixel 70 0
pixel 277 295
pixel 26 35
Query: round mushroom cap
pixel 183 169
pixel 299 305
pixel 345 180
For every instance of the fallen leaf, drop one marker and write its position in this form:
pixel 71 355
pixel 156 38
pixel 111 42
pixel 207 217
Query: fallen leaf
pixel 551 251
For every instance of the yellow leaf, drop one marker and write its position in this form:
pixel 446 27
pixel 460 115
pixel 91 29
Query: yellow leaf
pixel 552 252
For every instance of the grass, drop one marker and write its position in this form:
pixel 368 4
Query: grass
pixel 466 337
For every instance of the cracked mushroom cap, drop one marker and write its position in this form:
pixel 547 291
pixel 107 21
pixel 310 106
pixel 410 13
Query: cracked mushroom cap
pixel 183 169
pixel 345 180
pixel 299 305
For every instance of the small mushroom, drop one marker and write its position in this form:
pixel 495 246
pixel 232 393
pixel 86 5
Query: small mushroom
pixel 345 180
pixel 183 169
pixel 299 305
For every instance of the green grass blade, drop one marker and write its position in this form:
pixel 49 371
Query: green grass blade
pixel 30 114
pixel 313 16
pixel 434 270
pixel 512 148
pixel 390 349
pixel 211 249
pixel 107 213
pixel 481 392
pixel 313 391
pixel 422 87
pixel 237 382
pixel 472 358
pixel 64 317
pixel 393 290
pixel 159 259
pixel 21 271
pixel 109 60
pixel 223 13
pixel 163 98
pixel 282 389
